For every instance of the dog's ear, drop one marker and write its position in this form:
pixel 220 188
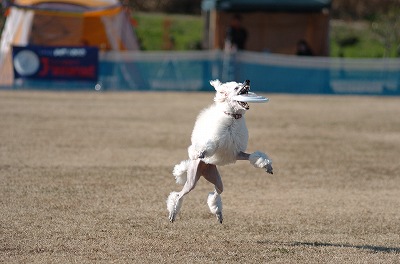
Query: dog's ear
pixel 216 84
pixel 220 94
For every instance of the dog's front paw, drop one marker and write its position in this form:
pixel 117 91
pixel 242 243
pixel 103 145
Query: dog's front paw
pixel 261 160
pixel 269 168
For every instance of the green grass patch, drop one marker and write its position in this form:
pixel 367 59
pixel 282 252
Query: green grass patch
pixel 358 41
pixel 186 31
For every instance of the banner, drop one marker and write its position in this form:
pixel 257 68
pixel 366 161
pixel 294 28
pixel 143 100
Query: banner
pixel 56 63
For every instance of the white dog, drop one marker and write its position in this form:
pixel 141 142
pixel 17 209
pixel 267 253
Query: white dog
pixel 219 137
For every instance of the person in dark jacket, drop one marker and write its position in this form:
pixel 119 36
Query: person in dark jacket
pixel 236 33
pixel 303 49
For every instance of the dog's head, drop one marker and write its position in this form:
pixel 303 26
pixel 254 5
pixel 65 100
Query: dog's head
pixel 225 93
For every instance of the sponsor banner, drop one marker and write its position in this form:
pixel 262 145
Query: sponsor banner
pixel 56 63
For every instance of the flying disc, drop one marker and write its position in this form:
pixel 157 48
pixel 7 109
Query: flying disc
pixel 251 98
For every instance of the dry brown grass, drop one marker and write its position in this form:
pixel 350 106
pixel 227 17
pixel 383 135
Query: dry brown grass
pixel 84 178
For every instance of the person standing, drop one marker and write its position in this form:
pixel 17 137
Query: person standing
pixel 236 34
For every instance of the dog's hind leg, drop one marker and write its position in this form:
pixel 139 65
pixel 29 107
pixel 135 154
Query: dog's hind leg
pixel 214 201
pixel 175 199
pixel 211 174
pixel 215 204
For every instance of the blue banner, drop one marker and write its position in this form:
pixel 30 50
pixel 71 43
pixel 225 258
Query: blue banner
pixel 56 63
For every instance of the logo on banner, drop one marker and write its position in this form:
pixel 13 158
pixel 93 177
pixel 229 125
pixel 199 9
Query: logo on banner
pixel 56 63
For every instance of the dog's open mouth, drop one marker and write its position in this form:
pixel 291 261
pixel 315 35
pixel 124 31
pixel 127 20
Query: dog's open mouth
pixel 244 105
pixel 244 90
pixel 244 96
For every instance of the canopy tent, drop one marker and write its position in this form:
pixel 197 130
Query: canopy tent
pixel 101 23
pixel 274 26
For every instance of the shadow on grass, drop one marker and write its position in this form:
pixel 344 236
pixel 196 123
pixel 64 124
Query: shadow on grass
pixel 375 249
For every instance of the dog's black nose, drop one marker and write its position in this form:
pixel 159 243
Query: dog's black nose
pixel 247 82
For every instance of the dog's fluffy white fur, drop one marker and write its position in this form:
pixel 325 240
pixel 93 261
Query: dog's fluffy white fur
pixel 214 202
pixel 180 171
pixel 174 204
pixel 219 137
pixel 216 135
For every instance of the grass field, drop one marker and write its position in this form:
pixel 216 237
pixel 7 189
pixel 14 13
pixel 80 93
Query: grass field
pixel 84 178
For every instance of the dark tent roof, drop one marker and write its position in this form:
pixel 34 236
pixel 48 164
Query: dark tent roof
pixel 266 5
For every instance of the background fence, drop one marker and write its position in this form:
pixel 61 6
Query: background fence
pixel 191 71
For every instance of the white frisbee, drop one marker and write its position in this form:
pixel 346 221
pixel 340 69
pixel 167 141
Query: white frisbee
pixel 251 98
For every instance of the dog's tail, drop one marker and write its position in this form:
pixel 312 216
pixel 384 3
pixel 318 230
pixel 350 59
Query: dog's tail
pixel 180 171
